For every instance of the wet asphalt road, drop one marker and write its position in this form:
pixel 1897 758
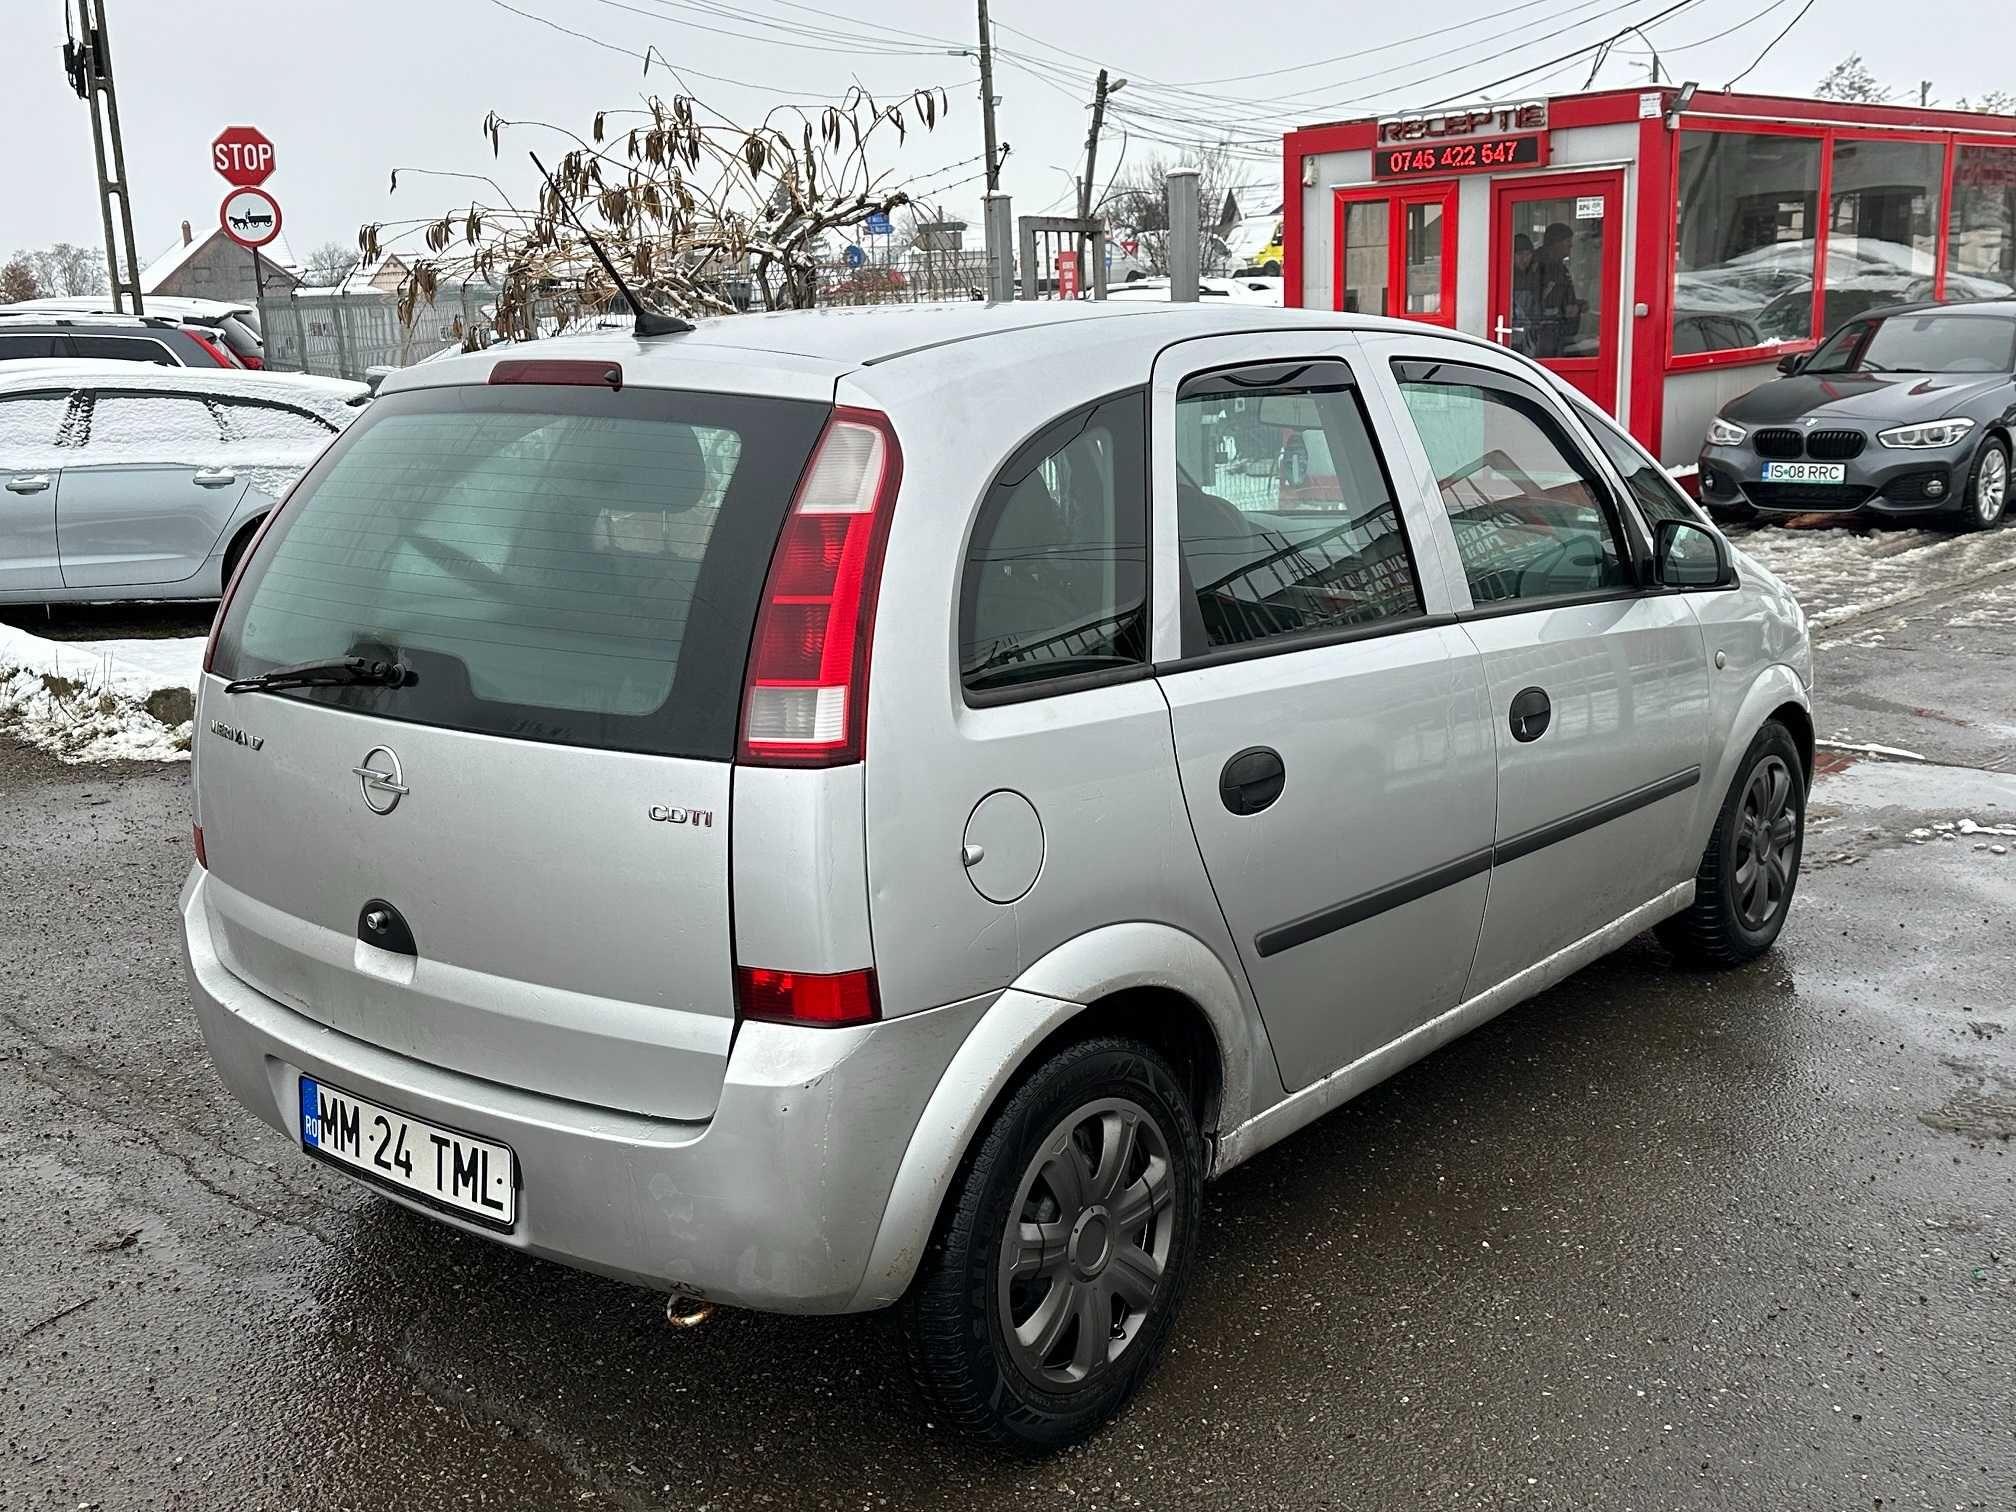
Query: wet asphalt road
pixel 1655 1240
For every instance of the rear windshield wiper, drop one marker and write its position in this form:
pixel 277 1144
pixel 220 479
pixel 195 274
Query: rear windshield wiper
pixel 340 672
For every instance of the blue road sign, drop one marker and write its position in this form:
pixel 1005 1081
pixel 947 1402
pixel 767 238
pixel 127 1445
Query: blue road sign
pixel 855 256
pixel 877 224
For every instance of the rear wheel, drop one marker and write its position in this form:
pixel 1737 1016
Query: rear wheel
pixel 1052 1285
pixel 1987 497
pixel 1750 870
pixel 235 552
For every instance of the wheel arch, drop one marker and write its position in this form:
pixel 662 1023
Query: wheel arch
pixel 1149 981
pixel 1775 693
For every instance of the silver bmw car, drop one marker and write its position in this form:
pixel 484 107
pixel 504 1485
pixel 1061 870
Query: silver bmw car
pixel 873 808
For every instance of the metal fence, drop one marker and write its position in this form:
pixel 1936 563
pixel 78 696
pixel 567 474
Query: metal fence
pixel 340 335
pixel 905 278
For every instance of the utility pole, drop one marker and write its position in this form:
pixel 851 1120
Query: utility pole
pixel 1092 147
pixel 88 62
pixel 1085 184
pixel 987 99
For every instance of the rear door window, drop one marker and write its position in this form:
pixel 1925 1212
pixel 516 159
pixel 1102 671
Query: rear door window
pixel 575 566
pixel 1288 523
pixel 165 425
pixel 124 349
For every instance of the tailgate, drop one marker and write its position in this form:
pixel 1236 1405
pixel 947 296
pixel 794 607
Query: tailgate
pixel 537 802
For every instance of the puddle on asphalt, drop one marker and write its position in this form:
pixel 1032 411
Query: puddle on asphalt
pixel 1845 782
pixel 1983 1108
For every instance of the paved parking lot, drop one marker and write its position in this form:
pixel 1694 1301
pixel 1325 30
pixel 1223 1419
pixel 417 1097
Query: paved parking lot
pixel 1655 1240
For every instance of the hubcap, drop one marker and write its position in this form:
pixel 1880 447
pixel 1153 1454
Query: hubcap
pixel 1090 1237
pixel 1767 843
pixel 1991 484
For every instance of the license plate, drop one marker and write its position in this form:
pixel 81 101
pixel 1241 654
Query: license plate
pixel 1805 472
pixel 446 1167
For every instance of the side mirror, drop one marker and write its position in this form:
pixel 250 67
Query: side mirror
pixel 1791 363
pixel 1687 555
pixel 377 373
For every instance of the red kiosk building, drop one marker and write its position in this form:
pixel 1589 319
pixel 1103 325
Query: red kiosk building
pixel 1661 248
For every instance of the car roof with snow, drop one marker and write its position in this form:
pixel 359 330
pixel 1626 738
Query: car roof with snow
pixel 812 347
pixel 322 396
pixel 157 304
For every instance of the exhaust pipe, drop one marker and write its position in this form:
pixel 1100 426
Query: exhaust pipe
pixel 686 1312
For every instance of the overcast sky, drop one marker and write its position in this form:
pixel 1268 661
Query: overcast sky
pixel 349 89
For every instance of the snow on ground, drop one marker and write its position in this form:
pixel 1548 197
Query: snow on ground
pixel 110 700
pixel 1841 574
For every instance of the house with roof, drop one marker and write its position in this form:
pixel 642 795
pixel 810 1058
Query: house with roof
pixel 216 267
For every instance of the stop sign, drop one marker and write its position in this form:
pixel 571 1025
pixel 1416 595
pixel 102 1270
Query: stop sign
pixel 243 155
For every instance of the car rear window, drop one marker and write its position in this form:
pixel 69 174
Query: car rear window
pixel 239 337
pixel 578 566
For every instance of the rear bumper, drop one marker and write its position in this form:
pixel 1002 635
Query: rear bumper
pixel 775 1202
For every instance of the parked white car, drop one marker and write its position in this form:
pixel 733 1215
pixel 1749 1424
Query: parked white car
pixel 125 480
pixel 1245 289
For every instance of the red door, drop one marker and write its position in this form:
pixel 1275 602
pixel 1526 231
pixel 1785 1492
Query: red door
pixel 1556 263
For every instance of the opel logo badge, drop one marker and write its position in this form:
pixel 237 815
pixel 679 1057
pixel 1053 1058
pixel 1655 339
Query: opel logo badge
pixel 381 779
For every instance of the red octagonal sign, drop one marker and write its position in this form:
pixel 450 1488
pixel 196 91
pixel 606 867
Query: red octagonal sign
pixel 243 155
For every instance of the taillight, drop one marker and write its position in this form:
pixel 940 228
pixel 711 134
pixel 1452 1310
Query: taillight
pixel 252 360
pixel 800 997
pixel 806 701
pixel 220 354
pixel 196 834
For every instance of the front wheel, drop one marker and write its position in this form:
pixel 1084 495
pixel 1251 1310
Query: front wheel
pixel 1053 1282
pixel 1750 870
pixel 1987 497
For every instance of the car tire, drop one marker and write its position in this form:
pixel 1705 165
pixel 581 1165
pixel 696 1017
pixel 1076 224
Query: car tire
pixel 990 1349
pixel 1737 911
pixel 1990 474
pixel 235 552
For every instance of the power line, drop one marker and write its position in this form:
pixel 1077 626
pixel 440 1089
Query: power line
pixel 651 50
pixel 1768 46
pixel 835 44
pixel 1672 10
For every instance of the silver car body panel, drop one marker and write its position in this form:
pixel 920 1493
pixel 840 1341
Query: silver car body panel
pixel 566 943
pixel 582 1011
pixel 28 561
pixel 771 1202
pixel 134 524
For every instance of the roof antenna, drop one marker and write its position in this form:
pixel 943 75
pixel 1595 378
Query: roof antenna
pixel 649 322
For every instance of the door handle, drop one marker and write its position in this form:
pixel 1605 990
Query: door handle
pixel 28 483
pixel 214 477
pixel 1531 714
pixel 1252 780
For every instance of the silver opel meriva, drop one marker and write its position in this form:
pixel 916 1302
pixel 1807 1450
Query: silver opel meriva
pixel 838 809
